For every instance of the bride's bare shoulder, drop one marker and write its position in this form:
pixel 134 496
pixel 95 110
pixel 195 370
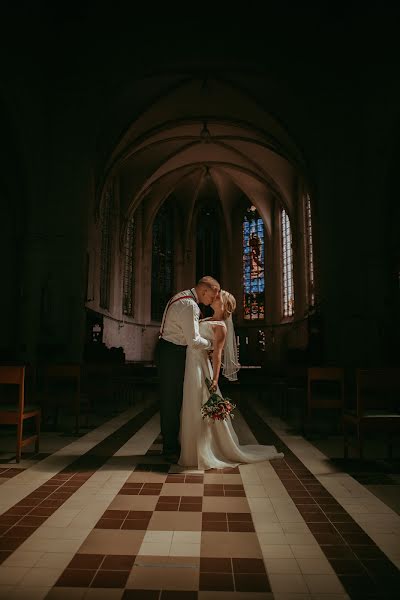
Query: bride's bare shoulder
pixel 219 325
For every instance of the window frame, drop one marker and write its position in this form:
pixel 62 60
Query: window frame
pixel 287 269
pixel 259 221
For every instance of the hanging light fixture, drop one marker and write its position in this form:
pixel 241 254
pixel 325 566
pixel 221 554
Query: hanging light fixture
pixel 205 134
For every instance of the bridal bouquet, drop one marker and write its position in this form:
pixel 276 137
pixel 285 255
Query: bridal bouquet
pixel 217 408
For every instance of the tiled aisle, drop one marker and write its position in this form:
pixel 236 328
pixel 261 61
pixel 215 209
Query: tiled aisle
pixel 117 522
pixel 325 500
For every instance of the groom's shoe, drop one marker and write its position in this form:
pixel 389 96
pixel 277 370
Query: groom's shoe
pixel 171 457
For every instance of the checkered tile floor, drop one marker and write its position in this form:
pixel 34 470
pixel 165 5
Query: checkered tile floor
pixel 176 530
pixel 105 527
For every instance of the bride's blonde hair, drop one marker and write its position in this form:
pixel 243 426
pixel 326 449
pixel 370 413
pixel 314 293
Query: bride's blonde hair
pixel 229 304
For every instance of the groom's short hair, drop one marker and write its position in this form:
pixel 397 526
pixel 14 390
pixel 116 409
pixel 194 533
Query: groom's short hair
pixel 209 282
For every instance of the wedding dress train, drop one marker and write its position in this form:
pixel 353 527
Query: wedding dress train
pixel 205 444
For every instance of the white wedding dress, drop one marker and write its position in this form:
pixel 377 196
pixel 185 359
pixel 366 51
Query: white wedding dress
pixel 205 444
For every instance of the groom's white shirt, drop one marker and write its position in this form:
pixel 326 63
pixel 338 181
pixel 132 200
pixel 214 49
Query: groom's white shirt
pixel 180 323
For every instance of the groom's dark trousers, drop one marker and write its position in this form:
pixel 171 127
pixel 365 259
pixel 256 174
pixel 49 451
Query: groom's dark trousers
pixel 171 360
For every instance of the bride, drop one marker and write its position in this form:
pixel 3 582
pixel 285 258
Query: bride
pixel 205 444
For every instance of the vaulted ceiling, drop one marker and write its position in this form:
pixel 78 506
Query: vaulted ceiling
pixel 205 137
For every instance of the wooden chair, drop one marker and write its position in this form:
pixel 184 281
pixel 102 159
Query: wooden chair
pixel 325 389
pixel 61 387
pixel 377 407
pixel 15 413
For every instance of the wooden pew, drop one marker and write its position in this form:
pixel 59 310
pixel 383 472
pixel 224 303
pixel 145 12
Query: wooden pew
pixel 377 407
pixel 61 388
pixel 325 390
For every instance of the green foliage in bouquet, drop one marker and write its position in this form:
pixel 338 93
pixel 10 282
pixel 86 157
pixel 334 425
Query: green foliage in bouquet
pixel 217 408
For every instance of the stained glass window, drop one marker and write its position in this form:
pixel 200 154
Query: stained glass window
pixel 105 254
pixel 162 273
pixel 129 269
pixel 287 266
pixel 253 266
pixel 310 255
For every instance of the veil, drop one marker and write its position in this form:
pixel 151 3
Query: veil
pixel 230 359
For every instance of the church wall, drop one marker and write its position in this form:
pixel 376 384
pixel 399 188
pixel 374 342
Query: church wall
pixel 23 165
pixel 349 177
pixel 10 267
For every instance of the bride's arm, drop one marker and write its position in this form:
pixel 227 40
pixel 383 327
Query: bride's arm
pixel 219 340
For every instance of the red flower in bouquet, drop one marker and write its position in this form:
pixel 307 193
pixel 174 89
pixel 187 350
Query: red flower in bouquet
pixel 217 408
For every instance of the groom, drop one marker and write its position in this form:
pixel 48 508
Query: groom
pixel 179 329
